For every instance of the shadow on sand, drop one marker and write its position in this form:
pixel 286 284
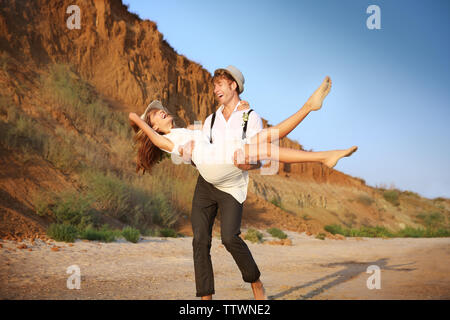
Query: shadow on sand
pixel 351 270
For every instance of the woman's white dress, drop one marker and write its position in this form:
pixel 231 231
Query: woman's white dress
pixel 213 161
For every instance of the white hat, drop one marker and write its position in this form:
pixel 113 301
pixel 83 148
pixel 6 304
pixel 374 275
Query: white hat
pixel 155 104
pixel 237 76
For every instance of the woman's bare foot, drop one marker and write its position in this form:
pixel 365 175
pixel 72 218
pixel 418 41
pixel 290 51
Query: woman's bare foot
pixel 316 99
pixel 335 155
pixel 258 290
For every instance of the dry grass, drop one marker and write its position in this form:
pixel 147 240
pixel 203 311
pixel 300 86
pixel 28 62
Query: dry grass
pixel 84 137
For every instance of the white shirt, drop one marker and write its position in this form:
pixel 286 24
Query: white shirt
pixel 223 129
pixel 233 127
pixel 209 161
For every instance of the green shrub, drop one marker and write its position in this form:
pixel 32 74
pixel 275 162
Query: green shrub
pixel 131 234
pixel 168 233
pixel 336 229
pixel 411 194
pixel 79 102
pixel 363 231
pixel 276 201
pixel 59 150
pixel 20 131
pixel 365 200
pixel 441 232
pixel 378 231
pixel 130 204
pixel 104 234
pixel 163 212
pixel 391 196
pixel 320 236
pixel 23 133
pixel 277 233
pixel 151 232
pixel 254 236
pixel 410 232
pixel 73 208
pixel 432 220
pixel 111 194
pixel 42 203
pixel 67 207
pixel 374 232
pixel 62 232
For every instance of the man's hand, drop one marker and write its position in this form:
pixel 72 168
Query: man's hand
pixel 242 161
pixel 186 151
pixel 243 106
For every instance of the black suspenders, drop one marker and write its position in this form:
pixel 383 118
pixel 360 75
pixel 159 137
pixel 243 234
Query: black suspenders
pixel 212 123
pixel 244 130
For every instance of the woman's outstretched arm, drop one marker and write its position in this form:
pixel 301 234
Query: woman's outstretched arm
pixel 157 139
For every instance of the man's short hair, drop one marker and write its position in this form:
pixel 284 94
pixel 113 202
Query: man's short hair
pixel 223 74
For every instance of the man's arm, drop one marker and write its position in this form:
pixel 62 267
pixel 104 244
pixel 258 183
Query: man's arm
pixel 253 127
pixel 206 127
pixel 247 165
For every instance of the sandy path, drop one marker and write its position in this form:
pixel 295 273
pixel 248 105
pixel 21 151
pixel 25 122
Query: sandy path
pixel 158 268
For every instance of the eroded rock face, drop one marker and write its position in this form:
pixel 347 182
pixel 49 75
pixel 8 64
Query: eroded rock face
pixel 125 59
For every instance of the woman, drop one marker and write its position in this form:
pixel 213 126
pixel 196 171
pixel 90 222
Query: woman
pixel 156 131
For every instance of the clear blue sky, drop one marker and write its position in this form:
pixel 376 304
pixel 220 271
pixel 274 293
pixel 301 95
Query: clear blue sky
pixel 390 94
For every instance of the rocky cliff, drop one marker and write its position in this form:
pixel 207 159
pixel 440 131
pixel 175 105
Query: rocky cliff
pixel 125 58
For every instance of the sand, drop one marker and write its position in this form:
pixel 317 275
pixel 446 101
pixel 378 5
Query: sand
pixel 162 268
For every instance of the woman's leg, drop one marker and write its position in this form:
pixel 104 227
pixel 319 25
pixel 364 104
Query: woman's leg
pixel 270 151
pixel 283 128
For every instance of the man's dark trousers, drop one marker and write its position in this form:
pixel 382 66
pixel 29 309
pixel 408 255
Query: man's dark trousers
pixel 207 200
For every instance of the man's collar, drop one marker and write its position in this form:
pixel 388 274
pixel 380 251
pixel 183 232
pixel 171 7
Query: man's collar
pixel 235 108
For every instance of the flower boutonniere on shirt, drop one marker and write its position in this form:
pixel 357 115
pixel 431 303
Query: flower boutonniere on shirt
pixel 244 118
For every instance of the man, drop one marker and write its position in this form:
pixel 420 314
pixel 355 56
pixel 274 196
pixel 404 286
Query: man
pixel 227 124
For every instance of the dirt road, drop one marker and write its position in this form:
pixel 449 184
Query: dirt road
pixel 162 268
